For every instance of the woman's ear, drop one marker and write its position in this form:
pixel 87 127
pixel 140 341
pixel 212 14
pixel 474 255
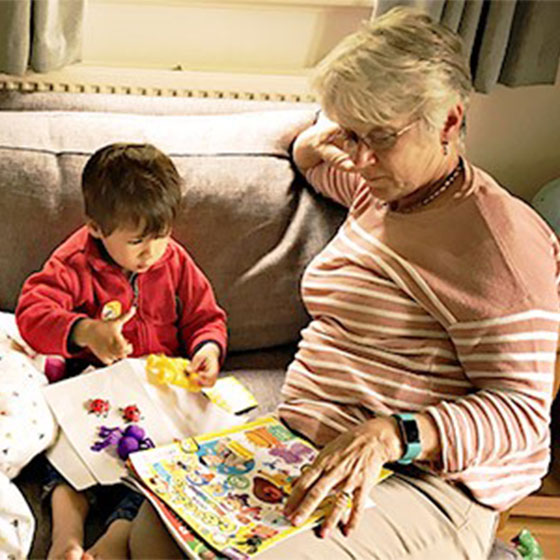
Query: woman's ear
pixel 94 230
pixel 452 126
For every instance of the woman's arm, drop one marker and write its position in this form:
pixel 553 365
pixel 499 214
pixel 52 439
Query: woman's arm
pixel 319 154
pixel 318 144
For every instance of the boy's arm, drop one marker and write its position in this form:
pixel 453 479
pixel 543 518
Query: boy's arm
pixel 45 310
pixel 201 320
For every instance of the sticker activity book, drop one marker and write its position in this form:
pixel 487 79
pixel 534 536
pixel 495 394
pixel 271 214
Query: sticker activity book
pixel 229 487
pixel 191 544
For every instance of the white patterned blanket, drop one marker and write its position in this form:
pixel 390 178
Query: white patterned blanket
pixel 27 427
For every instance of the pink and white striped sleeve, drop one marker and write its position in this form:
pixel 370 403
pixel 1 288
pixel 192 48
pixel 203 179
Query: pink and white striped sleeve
pixel 510 361
pixel 340 186
pixel 496 440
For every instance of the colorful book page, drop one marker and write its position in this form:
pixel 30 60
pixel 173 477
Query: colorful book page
pixel 189 542
pixel 230 487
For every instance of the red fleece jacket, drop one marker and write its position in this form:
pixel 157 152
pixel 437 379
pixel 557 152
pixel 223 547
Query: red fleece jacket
pixel 176 308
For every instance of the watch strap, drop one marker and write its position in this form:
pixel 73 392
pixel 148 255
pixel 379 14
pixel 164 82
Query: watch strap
pixel 410 434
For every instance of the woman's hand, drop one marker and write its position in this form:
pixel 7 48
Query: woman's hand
pixel 322 142
pixel 349 465
pixel 206 364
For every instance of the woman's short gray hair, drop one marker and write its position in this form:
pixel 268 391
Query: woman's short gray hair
pixel 399 67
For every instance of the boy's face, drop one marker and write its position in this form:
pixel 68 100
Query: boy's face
pixel 129 249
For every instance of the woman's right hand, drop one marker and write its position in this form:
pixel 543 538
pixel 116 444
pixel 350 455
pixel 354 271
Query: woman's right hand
pixel 348 467
pixel 322 142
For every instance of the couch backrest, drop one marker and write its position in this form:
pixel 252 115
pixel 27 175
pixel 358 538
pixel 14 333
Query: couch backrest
pixel 250 221
pixel 141 104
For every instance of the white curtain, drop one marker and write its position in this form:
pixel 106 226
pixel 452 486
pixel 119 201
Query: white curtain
pixel 39 34
pixel 512 42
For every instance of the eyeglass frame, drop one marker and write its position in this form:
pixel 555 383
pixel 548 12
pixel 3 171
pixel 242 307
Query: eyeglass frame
pixel 353 138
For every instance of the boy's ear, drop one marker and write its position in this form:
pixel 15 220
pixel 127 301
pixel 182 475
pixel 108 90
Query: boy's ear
pixel 93 229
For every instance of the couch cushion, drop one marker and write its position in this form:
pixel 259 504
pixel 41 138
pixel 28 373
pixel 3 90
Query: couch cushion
pixel 249 221
pixel 263 373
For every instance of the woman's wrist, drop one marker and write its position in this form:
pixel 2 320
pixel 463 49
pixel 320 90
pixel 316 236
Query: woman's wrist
pixel 395 443
pixel 386 430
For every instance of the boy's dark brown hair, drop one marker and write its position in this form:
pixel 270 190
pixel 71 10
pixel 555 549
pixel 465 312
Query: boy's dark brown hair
pixel 126 185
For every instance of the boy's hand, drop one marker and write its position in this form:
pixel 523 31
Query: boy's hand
pixel 206 364
pixel 104 338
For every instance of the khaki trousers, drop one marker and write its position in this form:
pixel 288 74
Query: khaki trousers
pixel 417 516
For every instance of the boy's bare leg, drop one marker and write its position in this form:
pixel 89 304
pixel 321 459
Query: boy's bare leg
pixel 149 539
pixel 113 544
pixel 69 512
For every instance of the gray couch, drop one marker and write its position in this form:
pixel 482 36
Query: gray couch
pixel 250 221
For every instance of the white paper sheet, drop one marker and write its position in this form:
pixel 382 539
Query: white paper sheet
pixel 168 412
pixel 68 463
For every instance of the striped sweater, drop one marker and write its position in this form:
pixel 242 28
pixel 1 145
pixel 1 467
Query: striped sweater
pixel 451 309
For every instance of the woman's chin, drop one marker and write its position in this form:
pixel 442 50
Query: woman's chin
pixel 379 188
pixel 384 189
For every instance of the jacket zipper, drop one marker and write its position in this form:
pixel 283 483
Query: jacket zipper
pixel 135 296
pixel 134 285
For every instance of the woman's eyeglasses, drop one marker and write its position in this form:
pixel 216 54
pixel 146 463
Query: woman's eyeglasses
pixel 377 139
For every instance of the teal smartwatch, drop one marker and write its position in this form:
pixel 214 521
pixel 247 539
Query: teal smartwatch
pixel 410 434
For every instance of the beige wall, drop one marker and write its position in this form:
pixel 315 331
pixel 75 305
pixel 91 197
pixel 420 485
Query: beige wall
pixel 267 36
pixel 266 47
pixel 514 133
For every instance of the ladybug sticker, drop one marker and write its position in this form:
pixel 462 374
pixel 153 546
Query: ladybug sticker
pixel 131 413
pixel 99 407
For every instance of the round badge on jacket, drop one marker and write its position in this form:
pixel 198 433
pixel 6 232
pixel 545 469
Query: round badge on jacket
pixel 111 310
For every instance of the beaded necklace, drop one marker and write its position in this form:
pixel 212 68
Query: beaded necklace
pixel 449 180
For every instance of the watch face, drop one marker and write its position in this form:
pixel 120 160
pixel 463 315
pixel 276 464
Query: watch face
pixel 411 430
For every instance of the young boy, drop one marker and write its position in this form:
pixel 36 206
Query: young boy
pixel 120 286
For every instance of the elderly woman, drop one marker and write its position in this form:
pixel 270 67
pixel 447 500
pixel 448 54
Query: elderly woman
pixel 434 310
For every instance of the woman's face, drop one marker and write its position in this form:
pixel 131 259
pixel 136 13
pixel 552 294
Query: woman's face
pixel 396 162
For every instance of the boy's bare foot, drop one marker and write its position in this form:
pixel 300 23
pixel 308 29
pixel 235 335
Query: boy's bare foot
pixel 67 551
pixel 113 544
pixel 69 510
